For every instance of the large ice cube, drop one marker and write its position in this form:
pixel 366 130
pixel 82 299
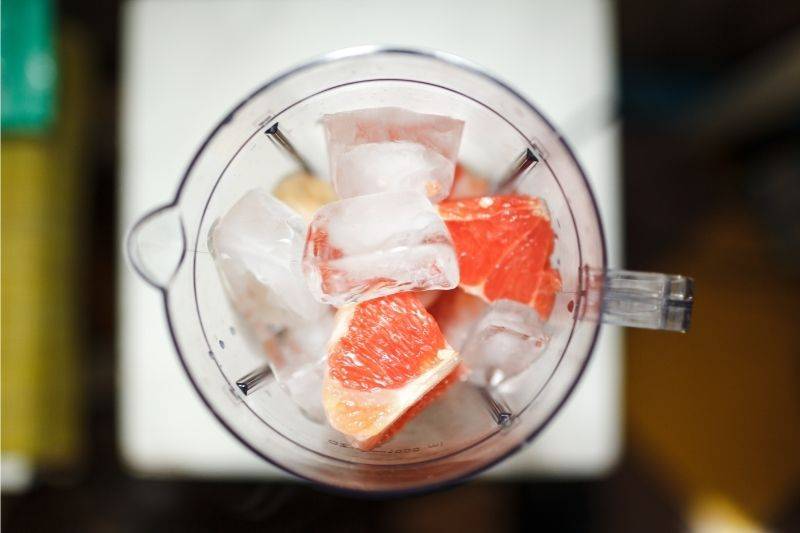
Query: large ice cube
pixel 506 341
pixel 457 314
pixel 375 245
pixel 297 358
pixel 392 142
pixel 393 166
pixel 258 246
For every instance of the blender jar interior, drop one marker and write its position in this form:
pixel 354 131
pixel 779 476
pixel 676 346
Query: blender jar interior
pixel 466 429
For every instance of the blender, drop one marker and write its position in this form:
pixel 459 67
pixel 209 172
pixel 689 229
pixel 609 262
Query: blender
pixel 276 131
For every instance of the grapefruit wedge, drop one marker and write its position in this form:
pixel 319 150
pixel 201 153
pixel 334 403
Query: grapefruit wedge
pixel 387 360
pixel 503 244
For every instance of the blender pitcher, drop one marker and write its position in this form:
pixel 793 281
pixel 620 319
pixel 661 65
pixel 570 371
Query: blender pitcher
pixel 275 131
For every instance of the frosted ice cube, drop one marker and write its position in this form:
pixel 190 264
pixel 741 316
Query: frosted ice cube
pixel 257 247
pixel 304 387
pixel 506 341
pixel 375 245
pixel 393 166
pixel 297 358
pixel 382 127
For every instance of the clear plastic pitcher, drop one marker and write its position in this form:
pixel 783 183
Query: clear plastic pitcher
pixel 277 129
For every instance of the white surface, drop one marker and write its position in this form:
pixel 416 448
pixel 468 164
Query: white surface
pixel 16 473
pixel 186 63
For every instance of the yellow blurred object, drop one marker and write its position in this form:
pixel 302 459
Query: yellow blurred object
pixel 304 193
pixel 713 514
pixel 41 198
pixel 717 409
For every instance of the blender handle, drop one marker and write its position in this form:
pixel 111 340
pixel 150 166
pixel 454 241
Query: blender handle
pixel 156 245
pixel 647 300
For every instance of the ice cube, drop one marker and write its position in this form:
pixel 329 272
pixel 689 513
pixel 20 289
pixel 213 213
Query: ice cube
pixel 508 339
pixel 304 387
pixel 297 359
pixel 457 314
pixel 392 133
pixel 392 166
pixel 375 245
pixel 257 247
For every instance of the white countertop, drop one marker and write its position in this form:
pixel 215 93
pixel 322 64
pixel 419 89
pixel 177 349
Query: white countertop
pixel 186 63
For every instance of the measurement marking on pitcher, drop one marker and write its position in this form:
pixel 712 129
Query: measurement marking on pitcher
pixel 279 139
pixel 389 451
pixel 251 381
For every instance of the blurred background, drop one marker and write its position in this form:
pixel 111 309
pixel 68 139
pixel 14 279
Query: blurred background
pixel 707 94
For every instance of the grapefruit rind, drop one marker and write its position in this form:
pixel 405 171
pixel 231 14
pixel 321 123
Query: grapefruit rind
pixel 364 416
